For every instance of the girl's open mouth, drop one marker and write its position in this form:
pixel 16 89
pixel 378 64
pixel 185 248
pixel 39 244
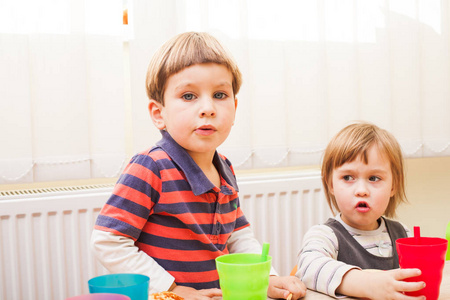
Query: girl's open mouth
pixel 362 206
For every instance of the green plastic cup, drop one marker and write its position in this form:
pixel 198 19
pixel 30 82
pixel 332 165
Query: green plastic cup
pixel 447 236
pixel 134 286
pixel 243 276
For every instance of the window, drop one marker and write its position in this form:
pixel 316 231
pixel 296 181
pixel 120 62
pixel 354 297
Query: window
pixel 75 107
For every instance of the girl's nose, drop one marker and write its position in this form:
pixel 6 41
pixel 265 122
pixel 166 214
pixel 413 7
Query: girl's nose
pixel 361 189
pixel 207 107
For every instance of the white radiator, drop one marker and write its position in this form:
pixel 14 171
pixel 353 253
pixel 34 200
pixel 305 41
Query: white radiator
pixel 280 209
pixel 44 246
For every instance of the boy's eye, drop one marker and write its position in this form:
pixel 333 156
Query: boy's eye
pixel 374 178
pixel 347 177
pixel 220 95
pixel 188 96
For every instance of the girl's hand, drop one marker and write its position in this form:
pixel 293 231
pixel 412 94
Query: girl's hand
pixel 380 284
pixel 189 293
pixel 281 286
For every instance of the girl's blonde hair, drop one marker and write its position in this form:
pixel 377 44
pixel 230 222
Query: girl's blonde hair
pixel 182 51
pixel 353 142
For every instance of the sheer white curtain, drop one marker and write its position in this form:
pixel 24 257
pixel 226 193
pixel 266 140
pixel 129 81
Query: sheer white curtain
pixel 310 67
pixel 61 91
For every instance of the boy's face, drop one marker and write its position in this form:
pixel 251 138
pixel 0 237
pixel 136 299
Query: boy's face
pixel 199 108
pixel 363 191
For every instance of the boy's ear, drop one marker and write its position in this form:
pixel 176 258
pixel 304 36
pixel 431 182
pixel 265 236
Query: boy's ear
pixel 235 106
pixel 155 110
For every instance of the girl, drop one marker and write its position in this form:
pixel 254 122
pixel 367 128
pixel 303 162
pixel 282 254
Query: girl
pixel 363 179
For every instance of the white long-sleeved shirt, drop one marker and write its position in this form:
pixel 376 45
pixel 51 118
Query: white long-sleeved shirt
pixel 118 254
pixel 317 262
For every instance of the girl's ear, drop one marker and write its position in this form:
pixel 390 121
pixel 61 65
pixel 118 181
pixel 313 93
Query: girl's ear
pixel 393 191
pixel 155 109
pixel 330 184
pixel 330 188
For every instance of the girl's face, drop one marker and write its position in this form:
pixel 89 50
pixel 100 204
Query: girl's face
pixel 362 191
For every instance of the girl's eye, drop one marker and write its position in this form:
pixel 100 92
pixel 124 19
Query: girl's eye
pixel 347 177
pixel 188 96
pixel 374 178
pixel 220 95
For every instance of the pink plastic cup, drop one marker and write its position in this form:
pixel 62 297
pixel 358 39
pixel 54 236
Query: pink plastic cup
pixel 428 255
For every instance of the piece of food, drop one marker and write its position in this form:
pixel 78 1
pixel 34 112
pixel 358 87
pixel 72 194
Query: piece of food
pixel 164 296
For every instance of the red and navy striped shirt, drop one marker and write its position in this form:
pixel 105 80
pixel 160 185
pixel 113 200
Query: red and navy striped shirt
pixel 167 205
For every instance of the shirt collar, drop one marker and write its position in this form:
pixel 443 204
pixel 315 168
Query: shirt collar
pixel 198 181
pixel 377 231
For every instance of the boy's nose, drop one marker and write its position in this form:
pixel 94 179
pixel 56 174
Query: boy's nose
pixel 207 108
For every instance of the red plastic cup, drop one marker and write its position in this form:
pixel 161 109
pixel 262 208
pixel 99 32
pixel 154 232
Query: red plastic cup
pixel 428 255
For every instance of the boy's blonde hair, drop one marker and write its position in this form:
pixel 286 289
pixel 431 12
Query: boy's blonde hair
pixel 353 142
pixel 182 51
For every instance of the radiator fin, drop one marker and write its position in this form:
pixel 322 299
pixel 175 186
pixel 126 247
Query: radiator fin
pixel 50 190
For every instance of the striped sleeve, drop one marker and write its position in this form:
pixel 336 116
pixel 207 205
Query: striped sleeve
pixel 137 190
pixel 317 263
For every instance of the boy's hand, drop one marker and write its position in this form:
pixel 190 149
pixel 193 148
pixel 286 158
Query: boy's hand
pixel 281 286
pixel 189 293
pixel 380 284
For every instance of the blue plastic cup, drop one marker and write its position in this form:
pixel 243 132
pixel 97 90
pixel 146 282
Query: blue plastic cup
pixel 100 296
pixel 134 286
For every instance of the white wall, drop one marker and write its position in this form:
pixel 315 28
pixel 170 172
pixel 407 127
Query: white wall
pixel 428 192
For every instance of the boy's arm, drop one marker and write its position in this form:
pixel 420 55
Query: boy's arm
pixel 244 241
pixel 118 254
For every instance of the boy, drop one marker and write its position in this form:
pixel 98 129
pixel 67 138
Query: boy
pixel 176 208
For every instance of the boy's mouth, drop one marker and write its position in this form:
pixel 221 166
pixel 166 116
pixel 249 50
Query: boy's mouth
pixel 205 130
